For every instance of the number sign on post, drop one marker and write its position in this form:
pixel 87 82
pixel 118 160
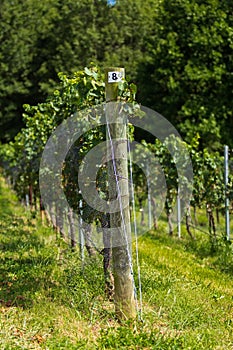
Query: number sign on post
pixel 115 77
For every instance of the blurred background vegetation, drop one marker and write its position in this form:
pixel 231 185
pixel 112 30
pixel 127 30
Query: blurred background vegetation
pixel 178 52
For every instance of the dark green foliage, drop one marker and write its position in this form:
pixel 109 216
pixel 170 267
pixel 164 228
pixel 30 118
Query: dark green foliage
pixel 178 52
pixel 41 39
pixel 21 158
pixel 23 25
pixel 186 75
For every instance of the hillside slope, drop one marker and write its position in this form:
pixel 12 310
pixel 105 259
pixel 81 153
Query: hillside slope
pixel 49 301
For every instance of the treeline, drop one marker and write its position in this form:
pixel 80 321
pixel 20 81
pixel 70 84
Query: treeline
pixel 179 54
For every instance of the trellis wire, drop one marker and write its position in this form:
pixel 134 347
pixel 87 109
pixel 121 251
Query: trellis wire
pixel 149 195
pixel 81 234
pixel 203 231
pixel 135 230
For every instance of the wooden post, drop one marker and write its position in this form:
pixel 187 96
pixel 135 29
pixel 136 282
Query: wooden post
pixel 120 220
pixel 178 213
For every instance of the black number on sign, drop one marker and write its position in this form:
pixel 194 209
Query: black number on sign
pixel 114 76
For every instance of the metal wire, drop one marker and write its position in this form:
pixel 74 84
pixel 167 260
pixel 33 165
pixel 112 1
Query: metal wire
pixel 135 231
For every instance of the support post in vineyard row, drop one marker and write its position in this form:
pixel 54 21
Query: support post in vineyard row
pixel 119 192
pixel 226 174
pixel 178 213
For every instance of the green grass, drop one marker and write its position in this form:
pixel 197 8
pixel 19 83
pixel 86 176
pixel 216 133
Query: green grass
pixel 49 301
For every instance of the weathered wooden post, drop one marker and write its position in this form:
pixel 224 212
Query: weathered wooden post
pixel 118 190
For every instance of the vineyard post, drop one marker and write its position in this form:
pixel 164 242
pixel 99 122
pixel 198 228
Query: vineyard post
pixel 119 189
pixel 27 200
pixel 226 174
pixel 178 213
pixel 81 236
pixel 149 195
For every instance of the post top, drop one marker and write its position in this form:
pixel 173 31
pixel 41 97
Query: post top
pixel 113 76
pixel 118 69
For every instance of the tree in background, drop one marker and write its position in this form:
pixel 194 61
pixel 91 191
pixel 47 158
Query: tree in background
pixel 41 39
pixel 129 24
pixel 178 52
pixel 187 76
pixel 21 26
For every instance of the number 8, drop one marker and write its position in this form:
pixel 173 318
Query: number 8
pixel 114 76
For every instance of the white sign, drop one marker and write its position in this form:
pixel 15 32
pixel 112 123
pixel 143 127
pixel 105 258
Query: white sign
pixel 115 77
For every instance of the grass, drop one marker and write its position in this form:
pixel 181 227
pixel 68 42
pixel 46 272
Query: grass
pixel 49 301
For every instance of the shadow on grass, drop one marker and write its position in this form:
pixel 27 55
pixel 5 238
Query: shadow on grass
pixel 6 208
pixel 26 264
